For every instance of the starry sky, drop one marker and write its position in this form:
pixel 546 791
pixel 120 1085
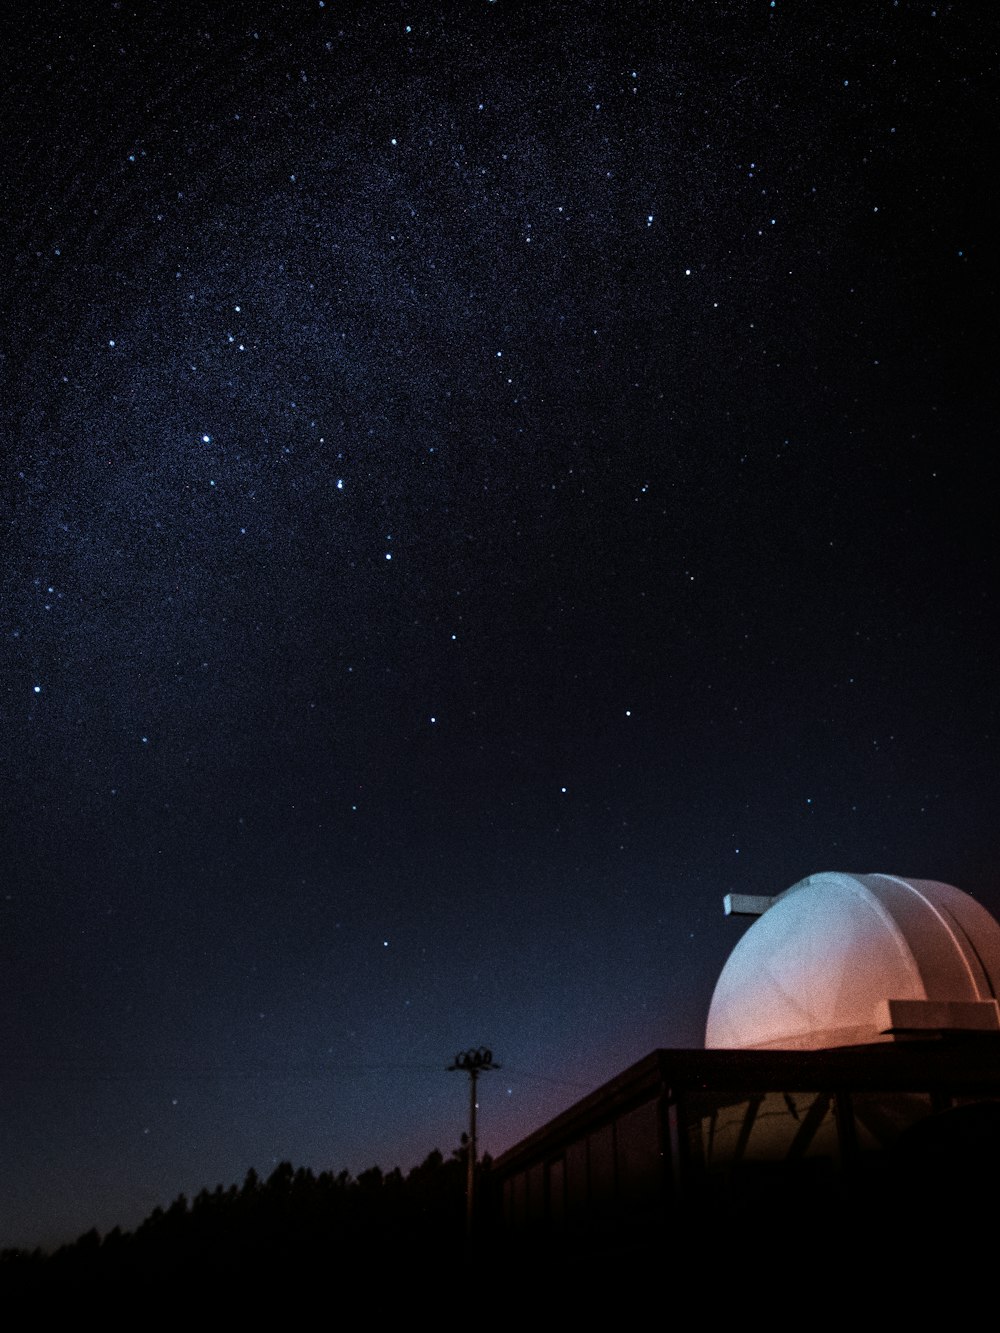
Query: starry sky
pixel 479 482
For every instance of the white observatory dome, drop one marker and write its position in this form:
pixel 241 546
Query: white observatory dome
pixel 841 960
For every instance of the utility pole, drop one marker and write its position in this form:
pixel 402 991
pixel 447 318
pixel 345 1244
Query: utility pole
pixel 473 1062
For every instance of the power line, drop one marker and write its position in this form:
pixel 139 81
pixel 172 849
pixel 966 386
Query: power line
pixel 307 1069
pixel 546 1078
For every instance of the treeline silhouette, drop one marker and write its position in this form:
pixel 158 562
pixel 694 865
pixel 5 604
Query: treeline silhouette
pixel 293 1226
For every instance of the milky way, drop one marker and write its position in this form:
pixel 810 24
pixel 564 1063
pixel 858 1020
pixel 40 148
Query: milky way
pixel 479 483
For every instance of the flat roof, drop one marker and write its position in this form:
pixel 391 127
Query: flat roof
pixel 965 1064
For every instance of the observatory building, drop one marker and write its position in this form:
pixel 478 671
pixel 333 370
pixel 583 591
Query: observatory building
pixel 844 960
pixel 853 1031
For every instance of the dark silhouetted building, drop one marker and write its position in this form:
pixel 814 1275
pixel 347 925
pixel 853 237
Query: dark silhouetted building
pixel 851 1071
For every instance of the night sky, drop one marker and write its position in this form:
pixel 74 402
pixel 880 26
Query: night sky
pixel 479 482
